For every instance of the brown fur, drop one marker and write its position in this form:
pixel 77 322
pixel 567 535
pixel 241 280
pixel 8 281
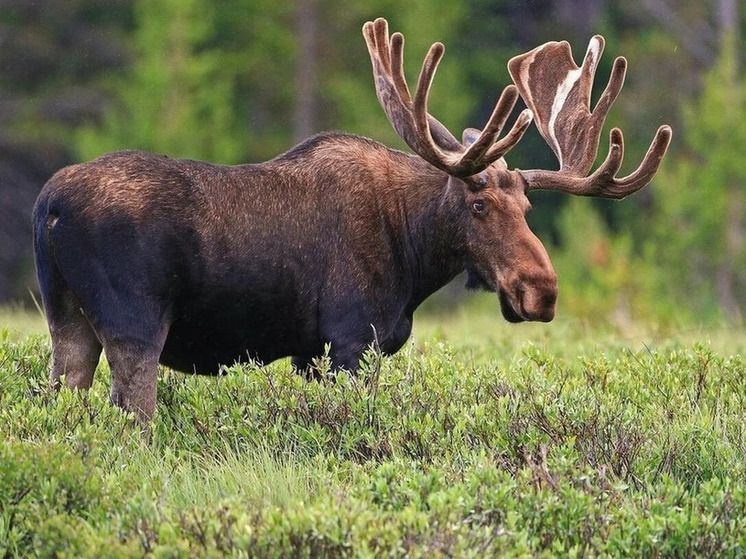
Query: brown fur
pixel 333 244
pixel 337 220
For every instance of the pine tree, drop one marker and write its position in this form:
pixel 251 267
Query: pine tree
pixel 179 96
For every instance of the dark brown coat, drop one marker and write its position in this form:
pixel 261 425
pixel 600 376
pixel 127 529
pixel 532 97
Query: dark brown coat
pixel 335 243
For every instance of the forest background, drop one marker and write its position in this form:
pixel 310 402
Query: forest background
pixel 236 81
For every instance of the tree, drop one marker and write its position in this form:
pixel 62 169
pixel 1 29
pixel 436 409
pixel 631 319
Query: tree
pixel 163 101
pixel 51 58
pixel 702 196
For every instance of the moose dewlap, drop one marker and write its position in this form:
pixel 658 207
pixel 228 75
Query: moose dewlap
pixel 335 242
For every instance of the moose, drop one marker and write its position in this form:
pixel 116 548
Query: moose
pixel 333 244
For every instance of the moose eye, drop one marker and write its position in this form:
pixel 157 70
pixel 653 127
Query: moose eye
pixel 478 206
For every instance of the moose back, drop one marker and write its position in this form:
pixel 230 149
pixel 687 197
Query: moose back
pixel 335 242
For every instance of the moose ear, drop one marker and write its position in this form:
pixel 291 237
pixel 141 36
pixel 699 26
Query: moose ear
pixel 470 136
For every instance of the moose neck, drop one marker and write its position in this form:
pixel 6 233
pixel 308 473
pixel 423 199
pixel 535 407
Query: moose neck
pixel 432 234
pixel 403 218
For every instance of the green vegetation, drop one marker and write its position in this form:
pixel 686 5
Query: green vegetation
pixel 478 438
pixel 701 234
pixel 17 323
pixel 593 435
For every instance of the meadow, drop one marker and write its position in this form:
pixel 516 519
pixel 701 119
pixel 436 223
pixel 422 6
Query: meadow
pixel 478 439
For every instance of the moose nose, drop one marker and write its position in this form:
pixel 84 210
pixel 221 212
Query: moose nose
pixel 539 298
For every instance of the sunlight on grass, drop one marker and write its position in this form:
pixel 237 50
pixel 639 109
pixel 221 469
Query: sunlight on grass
pixel 477 323
pixel 254 477
pixel 21 323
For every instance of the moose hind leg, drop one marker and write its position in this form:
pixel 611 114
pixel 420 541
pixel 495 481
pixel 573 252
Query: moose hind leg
pixel 75 348
pixel 134 376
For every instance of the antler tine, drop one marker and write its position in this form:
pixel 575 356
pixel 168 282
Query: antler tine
pixel 437 132
pixel 603 183
pixel 494 125
pixel 613 87
pixel 559 93
pixel 501 147
pixel 421 131
pixel 650 163
pixel 421 117
pixel 484 150
pixel 613 162
pixel 579 156
pixel 387 58
pixel 380 30
pixel 397 66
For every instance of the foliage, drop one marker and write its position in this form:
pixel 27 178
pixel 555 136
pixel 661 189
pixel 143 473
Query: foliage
pixel 703 197
pixel 247 53
pixel 164 104
pixel 604 277
pixel 52 59
pixel 596 270
pixel 523 447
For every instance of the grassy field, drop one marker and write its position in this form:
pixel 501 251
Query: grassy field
pixel 477 439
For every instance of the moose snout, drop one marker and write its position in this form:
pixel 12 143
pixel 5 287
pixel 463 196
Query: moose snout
pixel 538 301
pixel 537 297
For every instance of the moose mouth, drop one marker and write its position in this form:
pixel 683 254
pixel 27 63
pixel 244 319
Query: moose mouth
pixel 509 311
pixel 475 280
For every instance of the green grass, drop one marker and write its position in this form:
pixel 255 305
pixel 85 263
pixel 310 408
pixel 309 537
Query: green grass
pixel 254 476
pixel 477 439
pixel 17 323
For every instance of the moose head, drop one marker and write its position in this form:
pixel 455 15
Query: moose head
pixel 503 255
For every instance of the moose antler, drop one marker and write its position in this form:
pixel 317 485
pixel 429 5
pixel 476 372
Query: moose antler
pixel 427 137
pixel 558 92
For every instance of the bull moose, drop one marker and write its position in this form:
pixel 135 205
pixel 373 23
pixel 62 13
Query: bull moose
pixel 340 239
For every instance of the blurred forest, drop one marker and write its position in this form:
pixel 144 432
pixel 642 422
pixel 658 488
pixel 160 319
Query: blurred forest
pixel 243 80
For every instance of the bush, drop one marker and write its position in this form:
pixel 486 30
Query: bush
pixel 436 451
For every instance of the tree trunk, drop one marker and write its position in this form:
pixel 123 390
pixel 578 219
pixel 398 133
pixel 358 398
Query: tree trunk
pixel 699 42
pixel 728 16
pixel 727 274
